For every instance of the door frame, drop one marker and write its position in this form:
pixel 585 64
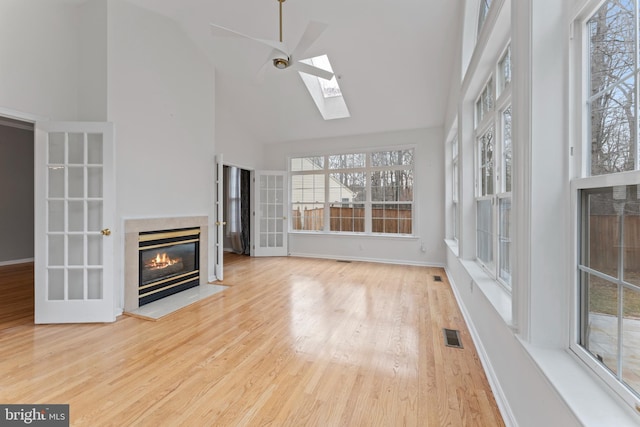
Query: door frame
pixel 32 119
pixel 220 239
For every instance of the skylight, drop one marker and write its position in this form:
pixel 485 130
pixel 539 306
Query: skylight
pixel 325 93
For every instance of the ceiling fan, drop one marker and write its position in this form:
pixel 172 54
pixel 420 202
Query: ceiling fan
pixel 281 57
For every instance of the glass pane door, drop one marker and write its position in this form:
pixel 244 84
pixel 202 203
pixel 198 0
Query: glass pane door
pixel 72 208
pixel 271 222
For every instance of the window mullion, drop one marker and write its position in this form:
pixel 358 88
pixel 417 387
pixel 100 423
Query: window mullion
pixel 620 290
pixel 327 196
pixel 368 210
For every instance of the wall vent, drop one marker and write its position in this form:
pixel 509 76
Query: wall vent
pixel 451 338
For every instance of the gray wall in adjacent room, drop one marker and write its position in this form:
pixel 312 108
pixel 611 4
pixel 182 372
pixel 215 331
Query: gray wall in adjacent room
pixel 16 194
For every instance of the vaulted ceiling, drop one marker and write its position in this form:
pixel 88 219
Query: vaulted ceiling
pixel 394 61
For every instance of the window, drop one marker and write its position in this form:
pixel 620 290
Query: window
pixel 608 278
pixel 494 170
pixel 609 268
pixel 454 186
pixel 325 93
pixel 482 15
pixel 613 87
pixel 368 193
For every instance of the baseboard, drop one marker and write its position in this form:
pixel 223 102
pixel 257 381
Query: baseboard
pixel 501 398
pixel 16 261
pixel 365 259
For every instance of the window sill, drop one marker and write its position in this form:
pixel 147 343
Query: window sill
pixel 493 291
pixel 499 298
pixel 453 246
pixel 592 402
pixel 352 235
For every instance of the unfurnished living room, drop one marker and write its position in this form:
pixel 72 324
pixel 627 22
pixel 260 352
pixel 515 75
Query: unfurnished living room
pixel 306 213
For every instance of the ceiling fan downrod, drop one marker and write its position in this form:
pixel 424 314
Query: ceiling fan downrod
pixel 281 1
pixel 281 63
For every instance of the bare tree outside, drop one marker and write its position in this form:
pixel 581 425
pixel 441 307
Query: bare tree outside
pixel 613 91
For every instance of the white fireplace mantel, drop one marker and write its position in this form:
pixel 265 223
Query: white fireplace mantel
pixel 134 226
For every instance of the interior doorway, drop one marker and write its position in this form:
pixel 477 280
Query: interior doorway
pixel 17 220
pixel 17 191
pixel 237 210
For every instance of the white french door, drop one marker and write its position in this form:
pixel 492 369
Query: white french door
pixel 75 216
pixel 270 225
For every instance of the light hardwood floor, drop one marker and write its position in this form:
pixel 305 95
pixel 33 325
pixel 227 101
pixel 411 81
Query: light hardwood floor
pixel 291 342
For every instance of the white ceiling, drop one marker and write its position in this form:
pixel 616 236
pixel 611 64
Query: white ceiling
pixel 394 60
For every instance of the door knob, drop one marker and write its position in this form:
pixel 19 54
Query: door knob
pixel 106 232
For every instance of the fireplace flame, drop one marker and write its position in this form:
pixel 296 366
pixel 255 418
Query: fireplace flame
pixel 162 261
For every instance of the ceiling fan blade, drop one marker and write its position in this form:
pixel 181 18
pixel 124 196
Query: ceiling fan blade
pixel 311 34
pixel 220 31
pixel 314 71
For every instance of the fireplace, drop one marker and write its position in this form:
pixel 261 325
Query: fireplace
pixel 168 263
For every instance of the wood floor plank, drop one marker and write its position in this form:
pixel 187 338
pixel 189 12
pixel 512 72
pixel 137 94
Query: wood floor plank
pixel 290 342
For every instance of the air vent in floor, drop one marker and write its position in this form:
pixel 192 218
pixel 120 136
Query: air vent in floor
pixel 452 338
pixel 344 260
pixel 437 278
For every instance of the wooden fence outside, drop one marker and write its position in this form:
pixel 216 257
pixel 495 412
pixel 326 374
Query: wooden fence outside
pixel 352 220
pixel 604 246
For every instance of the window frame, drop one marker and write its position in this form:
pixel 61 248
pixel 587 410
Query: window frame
pixel 484 121
pixel 455 190
pixel 368 169
pixel 581 179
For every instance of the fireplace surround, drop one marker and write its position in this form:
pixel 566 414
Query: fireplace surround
pixel 144 241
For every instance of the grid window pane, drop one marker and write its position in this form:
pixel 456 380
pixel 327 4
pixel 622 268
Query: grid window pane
pixel 392 186
pixel 486 150
pixel 504 240
pixel 612 35
pixel 601 330
pixel 507 151
pixel 484 231
pixel 347 161
pixel 307 163
pixel 392 158
pixel 348 219
pixel 609 263
pixel 505 70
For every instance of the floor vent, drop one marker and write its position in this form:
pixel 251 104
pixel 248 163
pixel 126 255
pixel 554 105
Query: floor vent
pixel 437 278
pixel 344 260
pixel 452 338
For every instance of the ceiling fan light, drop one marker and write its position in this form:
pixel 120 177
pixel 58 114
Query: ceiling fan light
pixel 280 63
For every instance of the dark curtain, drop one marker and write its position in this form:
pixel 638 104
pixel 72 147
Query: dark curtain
pixel 245 210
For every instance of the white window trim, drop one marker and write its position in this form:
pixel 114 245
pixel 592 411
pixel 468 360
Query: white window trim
pixel 579 170
pixel 368 168
pixel 501 102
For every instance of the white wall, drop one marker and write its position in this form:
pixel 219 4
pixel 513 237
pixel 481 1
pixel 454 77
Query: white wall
pixel 40 61
pixel 92 80
pixel 161 100
pixel 236 144
pixel 429 196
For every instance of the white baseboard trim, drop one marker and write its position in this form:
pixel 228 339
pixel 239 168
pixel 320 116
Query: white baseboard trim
pixel 364 259
pixel 501 398
pixel 16 261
